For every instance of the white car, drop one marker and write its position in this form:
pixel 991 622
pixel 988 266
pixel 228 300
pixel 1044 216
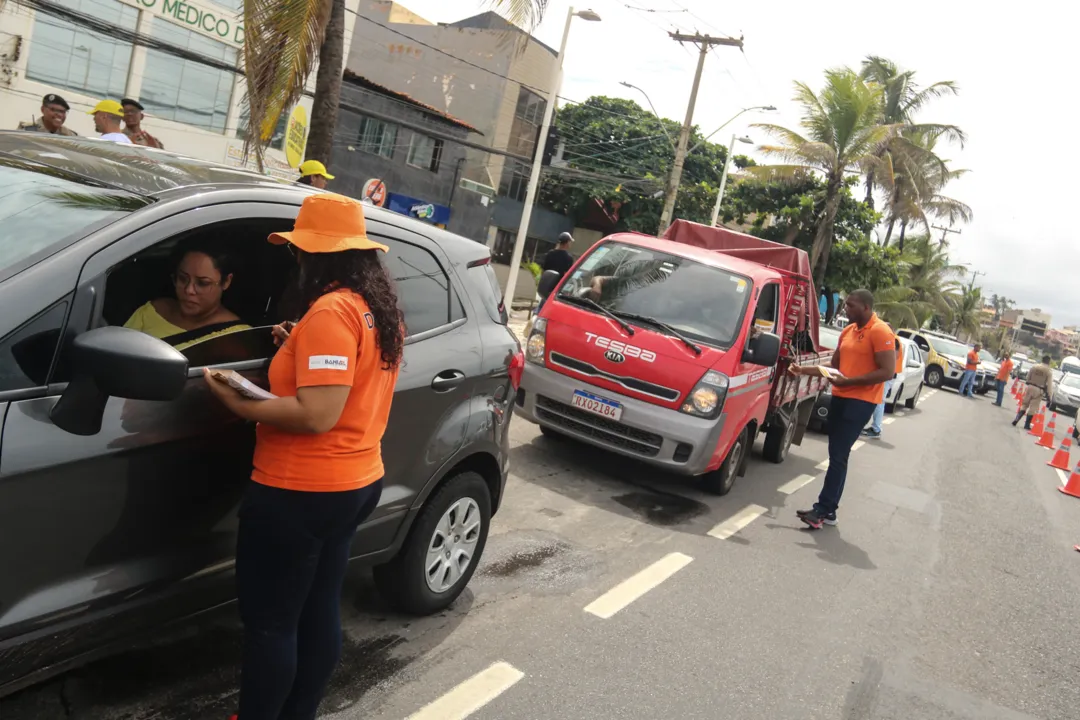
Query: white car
pixel 907 386
pixel 1066 394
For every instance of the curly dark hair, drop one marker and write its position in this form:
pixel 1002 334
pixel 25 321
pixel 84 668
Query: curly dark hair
pixel 362 272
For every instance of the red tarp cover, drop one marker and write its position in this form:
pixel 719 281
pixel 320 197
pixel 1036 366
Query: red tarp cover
pixel 752 249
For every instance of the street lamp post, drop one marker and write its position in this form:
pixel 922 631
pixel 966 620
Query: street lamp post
pixel 723 175
pixel 538 157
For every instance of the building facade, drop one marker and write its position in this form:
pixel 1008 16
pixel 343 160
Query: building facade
pixel 89 50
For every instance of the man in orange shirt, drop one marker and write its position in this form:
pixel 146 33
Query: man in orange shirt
pixel 967 382
pixel 1003 376
pixel 866 358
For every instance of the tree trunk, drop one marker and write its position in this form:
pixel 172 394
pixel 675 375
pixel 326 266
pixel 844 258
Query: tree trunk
pixel 830 305
pixel 903 229
pixel 869 200
pixel 823 238
pixel 888 232
pixel 324 109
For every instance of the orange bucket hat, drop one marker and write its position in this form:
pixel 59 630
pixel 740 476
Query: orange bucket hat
pixel 329 223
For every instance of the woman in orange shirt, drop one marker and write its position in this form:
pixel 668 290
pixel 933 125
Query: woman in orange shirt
pixel 318 460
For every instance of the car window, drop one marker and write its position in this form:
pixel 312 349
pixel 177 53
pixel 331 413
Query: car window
pixel 26 355
pixel 240 346
pixel 765 314
pixel 485 283
pixel 425 293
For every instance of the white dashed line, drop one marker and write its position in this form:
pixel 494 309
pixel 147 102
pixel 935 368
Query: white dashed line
pixel 471 695
pixel 796 484
pixel 888 421
pixel 1062 475
pixel 858 444
pixel 737 522
pixel 823 465
pixel 634 587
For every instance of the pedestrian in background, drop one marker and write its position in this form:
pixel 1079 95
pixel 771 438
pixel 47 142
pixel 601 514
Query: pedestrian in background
pixel 313 173
pixel 866 358
pixel 1003 376
pixel 54 110
pixel 560 260
pixel 874 431
pixel 967 382
pixel 107 116
pixel 133 117
pixel 1040 387
pixel 318 459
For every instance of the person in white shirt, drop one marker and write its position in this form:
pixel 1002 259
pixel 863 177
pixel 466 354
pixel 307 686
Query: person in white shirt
pixel 108 115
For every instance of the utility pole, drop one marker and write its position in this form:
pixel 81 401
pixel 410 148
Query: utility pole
pixel 945 231
pixel 974 274
pixel 705 43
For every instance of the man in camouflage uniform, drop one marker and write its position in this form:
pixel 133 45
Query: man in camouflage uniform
pixel 54 110
pixel 1040 386
pixel 133 117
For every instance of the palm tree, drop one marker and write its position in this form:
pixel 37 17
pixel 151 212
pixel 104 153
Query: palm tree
pixel 285 39
pixel 843 134
pixel 967 311
pixel 928 287
pixel 901 100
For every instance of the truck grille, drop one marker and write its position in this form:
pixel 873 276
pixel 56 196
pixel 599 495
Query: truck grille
pixel 611 432
pixel 646 388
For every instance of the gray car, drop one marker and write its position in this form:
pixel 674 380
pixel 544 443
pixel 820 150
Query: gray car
pixel 120 475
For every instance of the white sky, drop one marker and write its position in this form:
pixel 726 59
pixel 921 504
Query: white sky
pixel 1012 62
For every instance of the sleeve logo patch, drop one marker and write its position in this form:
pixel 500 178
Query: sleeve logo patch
pixel 370 320
pixel 328 362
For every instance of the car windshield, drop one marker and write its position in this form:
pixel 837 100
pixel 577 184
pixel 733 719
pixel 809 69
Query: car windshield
pixel 987 357
pixel 828 338
pixel 703 303
pixel 1071 380
pixel 42 210
pixel 949 347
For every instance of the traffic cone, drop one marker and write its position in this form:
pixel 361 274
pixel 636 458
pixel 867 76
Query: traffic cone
pixel 1061 457
pixel 1037 424
pixel 1016 384
pixel 1047 439
pixel 1072 486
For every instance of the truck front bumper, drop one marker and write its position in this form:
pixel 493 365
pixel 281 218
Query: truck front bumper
pixel 663 438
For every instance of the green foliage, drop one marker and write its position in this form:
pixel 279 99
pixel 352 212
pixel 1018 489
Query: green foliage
pixel 534 268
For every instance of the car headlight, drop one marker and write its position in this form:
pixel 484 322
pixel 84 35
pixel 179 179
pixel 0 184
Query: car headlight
pixel 707 398
pixel 537 343
pixel 955 365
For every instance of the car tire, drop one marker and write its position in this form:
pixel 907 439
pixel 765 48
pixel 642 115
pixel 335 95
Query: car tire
pixel 891 406
pixel 778 439
pixel 722 479
pixel 912 401
pixel 405 580
pixel 935 377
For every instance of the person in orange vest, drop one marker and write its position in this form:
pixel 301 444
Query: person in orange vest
pixel 967 383
pixel 1003 376
pixel 874 431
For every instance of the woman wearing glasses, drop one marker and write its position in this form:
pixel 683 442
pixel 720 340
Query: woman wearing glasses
pixel 201 275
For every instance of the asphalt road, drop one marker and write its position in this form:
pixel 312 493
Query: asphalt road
pixel 949 590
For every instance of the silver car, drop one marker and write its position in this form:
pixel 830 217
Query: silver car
pixel 1066 394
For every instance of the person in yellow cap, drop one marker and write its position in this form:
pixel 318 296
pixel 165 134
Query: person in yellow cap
pixel 313 173
pixel 107 117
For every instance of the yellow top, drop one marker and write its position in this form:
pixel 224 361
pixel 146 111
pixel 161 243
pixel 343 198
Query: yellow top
pixel 147 319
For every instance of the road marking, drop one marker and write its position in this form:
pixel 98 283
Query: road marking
pixel 1062 476
pixel 858 444
pixel 471 695
pixel 793 485
pixel 737 522
pixel 888 421
pixel 823 465
pixel 634 587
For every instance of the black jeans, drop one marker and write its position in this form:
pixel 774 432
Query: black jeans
pixel 847 418
pixel 291 557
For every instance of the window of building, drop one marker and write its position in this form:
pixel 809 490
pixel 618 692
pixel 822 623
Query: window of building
pixel 515 180
pixel 66 56
pixel 425 152
pixel 377 137
pixel 530 107
pixel 185 90
pixel 277 140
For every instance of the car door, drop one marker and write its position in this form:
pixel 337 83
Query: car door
pixel 146 506
pixel 442 362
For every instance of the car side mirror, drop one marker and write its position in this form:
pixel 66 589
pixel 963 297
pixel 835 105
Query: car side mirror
pixel 547 282
pixel 116 362
pixel 763 350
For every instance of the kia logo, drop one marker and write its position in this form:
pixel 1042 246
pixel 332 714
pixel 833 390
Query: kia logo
pixel 615 357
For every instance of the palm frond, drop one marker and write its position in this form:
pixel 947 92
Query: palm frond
pixel 921 98
pixel 281 47
pixel 524 13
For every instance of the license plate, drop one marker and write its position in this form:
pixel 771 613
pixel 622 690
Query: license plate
pixel 596 405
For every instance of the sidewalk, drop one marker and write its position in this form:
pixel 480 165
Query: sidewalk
pixel 518 320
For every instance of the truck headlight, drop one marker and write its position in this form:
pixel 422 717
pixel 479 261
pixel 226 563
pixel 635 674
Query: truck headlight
pixel 537 342
pixel 706 400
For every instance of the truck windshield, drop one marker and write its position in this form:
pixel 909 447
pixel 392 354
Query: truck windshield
pixel 705 304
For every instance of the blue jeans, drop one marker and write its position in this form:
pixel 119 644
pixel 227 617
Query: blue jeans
pixel 967 383
pixel 1001 391
pixel 879 409
pixel 847 418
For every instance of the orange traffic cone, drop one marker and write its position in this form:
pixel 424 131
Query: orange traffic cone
pixel 1061 457
pixel 1072 486
pixel 1037 424
pixel 1016 384
pixel 1047 439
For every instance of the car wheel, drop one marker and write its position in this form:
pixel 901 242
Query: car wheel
pixel 912 401
pixel 721 480
pixel 934 377
pixel 442 550
pixel 778 439
pixel 891 407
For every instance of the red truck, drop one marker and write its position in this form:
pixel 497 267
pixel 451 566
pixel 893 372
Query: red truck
pixel 674 351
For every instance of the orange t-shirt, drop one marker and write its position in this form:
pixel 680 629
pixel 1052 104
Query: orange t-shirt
pixel 857 348
pixel 1006 369
pixel 972 360
pixel 335 343
pixel 899 354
